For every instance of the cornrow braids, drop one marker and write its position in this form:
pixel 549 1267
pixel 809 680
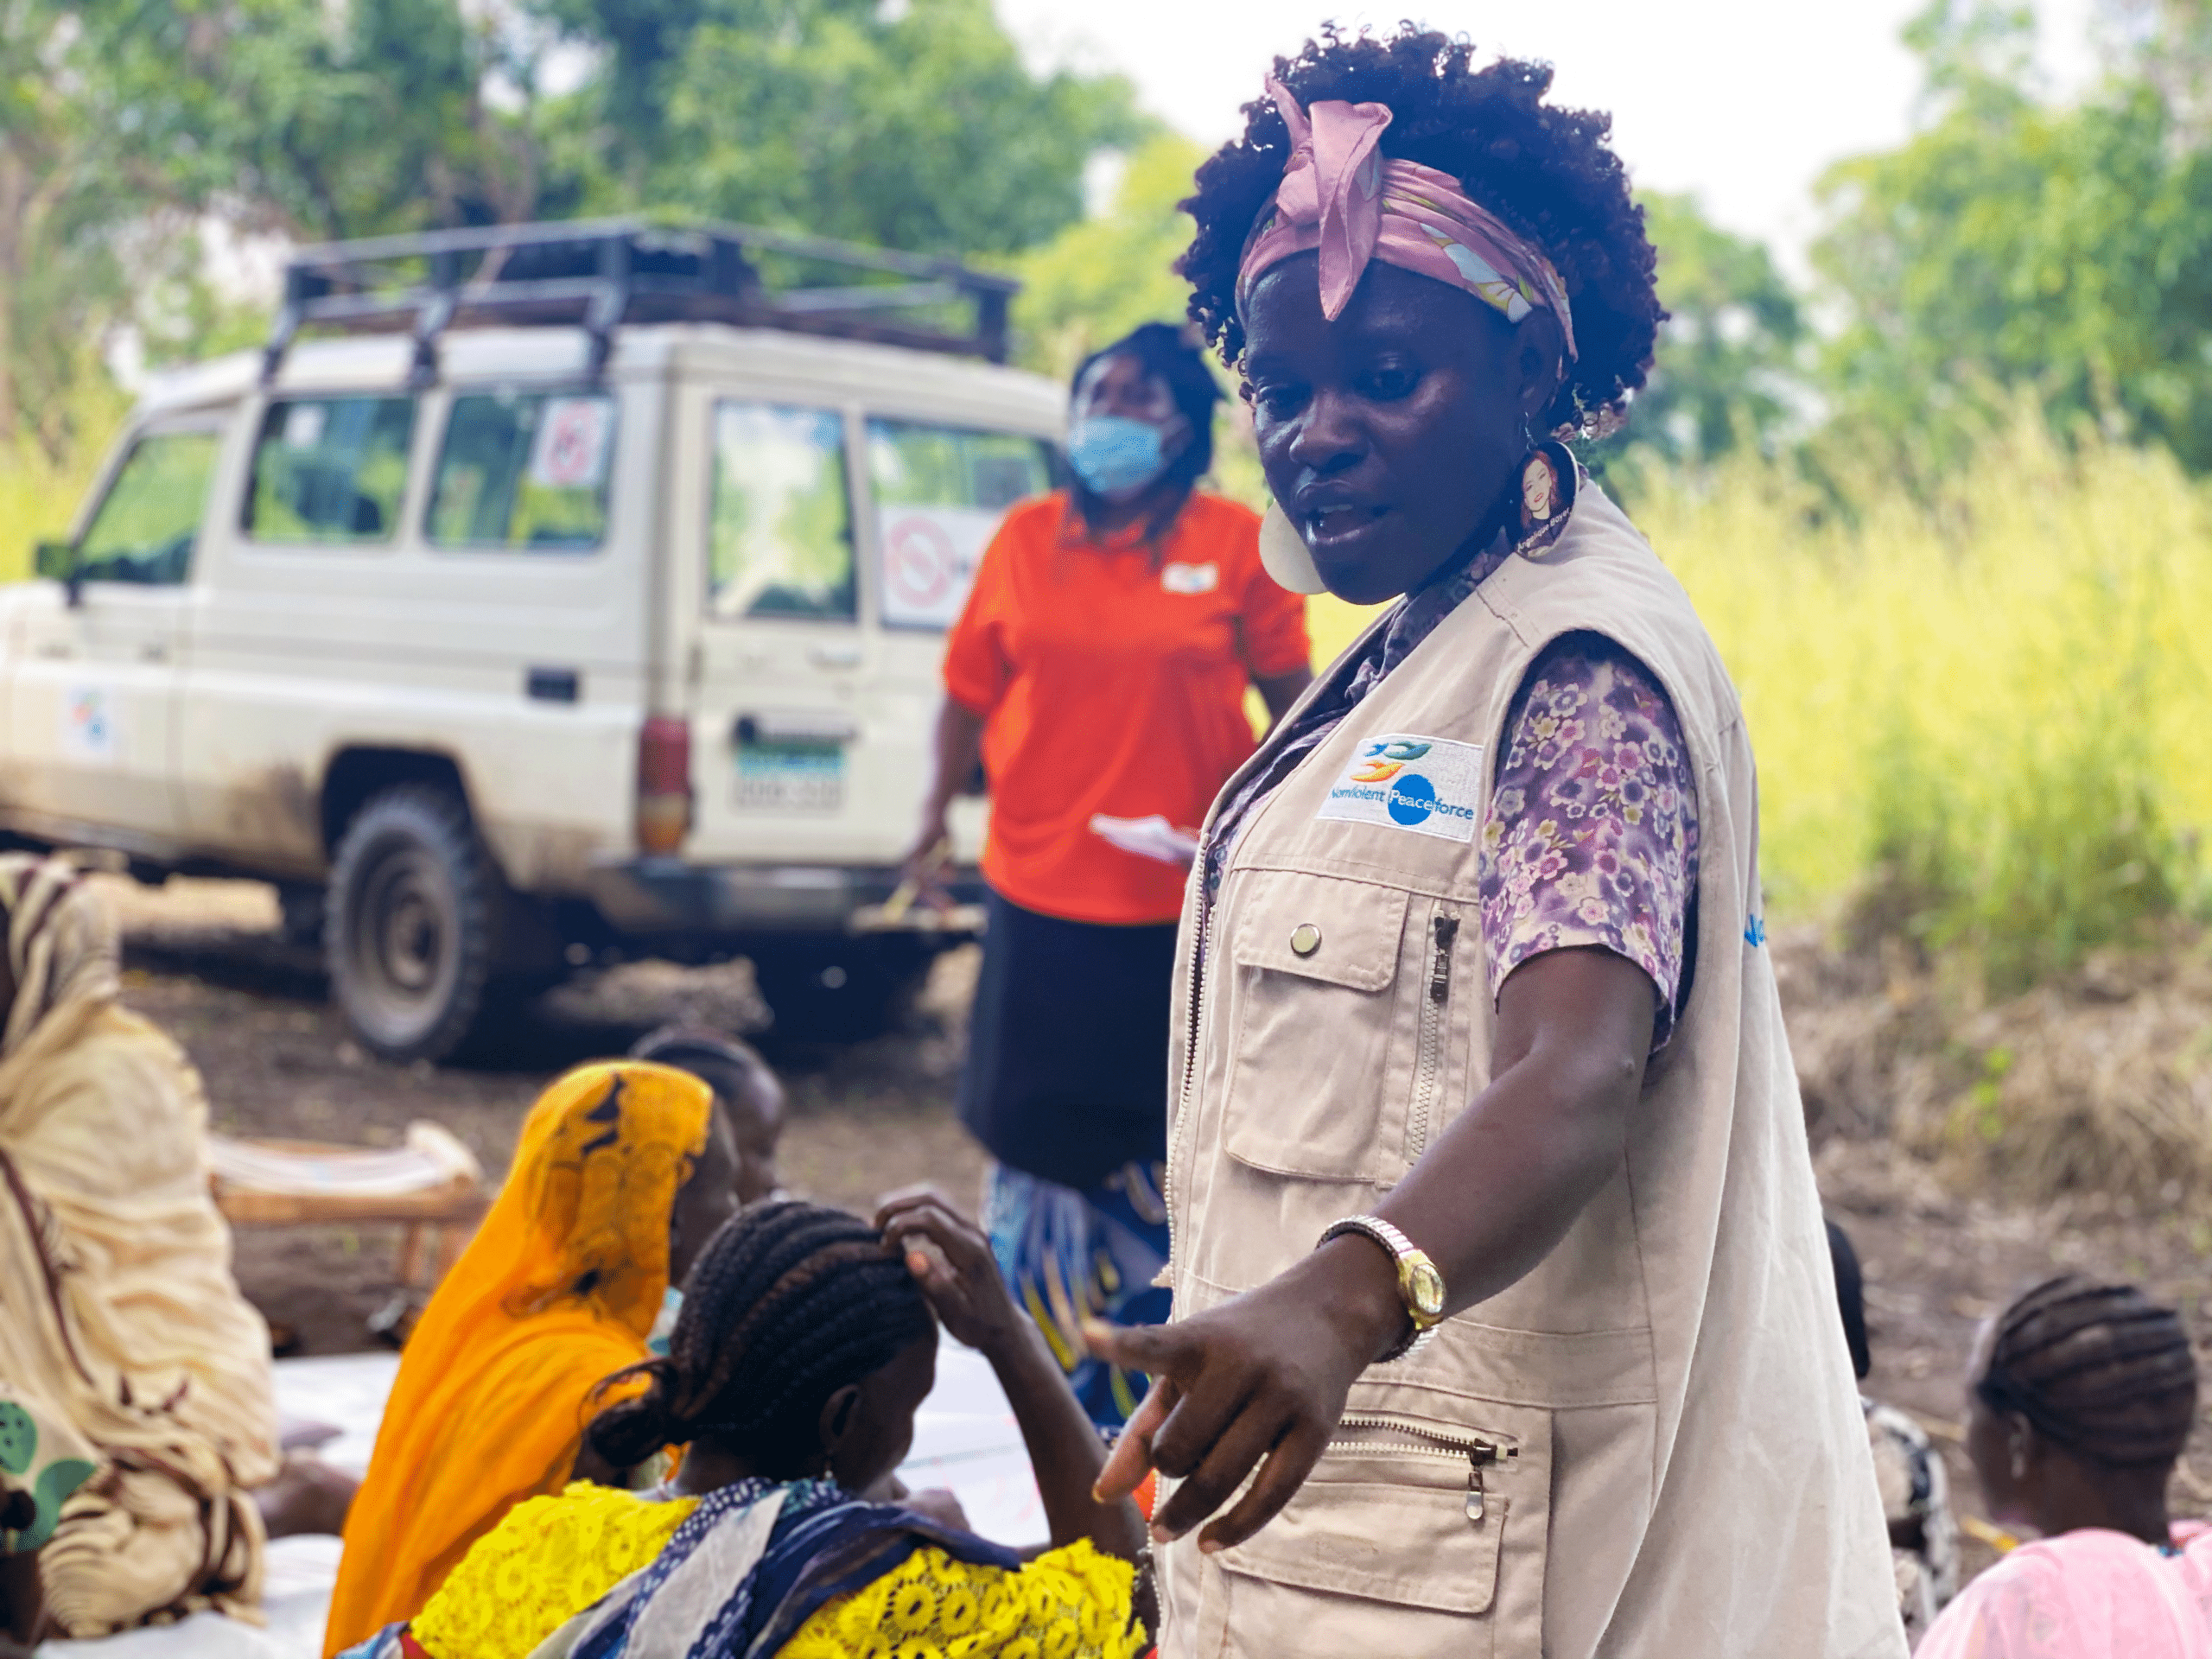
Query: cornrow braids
pixel 2098 1369
pixel 1549 173
pixel 788 1303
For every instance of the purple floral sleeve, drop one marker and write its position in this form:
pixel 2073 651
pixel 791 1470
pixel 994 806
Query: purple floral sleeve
pixel 1591 837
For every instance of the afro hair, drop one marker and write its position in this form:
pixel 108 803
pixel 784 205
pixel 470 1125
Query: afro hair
pixel 1548 172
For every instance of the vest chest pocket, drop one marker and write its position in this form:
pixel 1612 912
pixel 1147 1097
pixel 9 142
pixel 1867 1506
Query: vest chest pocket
pixel 1324 1045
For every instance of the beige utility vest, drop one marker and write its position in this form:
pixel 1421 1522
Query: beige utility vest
pixel 1652 1445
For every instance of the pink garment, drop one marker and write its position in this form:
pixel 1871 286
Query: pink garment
pixel 1341 196
pixel 2090 1594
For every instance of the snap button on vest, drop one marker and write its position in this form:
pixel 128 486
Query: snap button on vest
pixel 1306 939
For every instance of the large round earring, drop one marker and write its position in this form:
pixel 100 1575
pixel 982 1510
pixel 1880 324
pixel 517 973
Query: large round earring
pixel 1285 555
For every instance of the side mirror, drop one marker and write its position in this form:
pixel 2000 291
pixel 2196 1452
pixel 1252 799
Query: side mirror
pixel 57 561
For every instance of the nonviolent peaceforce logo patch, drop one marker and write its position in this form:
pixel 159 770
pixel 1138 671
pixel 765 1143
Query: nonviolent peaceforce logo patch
pixel 1427 785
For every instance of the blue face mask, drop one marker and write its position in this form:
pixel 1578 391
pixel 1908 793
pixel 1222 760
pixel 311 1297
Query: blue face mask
pixel 1115 456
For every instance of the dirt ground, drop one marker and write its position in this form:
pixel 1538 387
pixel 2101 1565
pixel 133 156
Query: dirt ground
pixel 201 958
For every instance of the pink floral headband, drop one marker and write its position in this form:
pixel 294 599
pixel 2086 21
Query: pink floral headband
pixel 1341 196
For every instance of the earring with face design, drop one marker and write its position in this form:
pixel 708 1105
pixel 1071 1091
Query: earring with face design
pixel 1539 491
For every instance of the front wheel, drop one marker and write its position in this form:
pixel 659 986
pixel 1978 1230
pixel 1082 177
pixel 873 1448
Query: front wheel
pixel 409 935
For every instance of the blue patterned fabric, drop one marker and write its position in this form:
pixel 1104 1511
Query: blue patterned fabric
pixel 1072 1254
pixel 825 1543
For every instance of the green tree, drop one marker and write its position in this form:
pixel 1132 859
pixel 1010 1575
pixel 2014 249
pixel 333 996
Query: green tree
pixel 2011 246
pixel 1726 371
pixel 321 122
pixel 921 130
pixel 60 194
pixel 1101 277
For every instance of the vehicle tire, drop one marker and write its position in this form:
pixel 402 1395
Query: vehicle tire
pixel 839 991
pixel 409 939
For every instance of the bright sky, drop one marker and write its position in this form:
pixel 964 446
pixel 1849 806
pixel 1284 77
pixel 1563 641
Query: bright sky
pixel 1742 102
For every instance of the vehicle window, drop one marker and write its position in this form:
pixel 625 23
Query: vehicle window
pixel 330 469
pixel 780 540
pixel 523 470
pixel 940 492
pixel 148 521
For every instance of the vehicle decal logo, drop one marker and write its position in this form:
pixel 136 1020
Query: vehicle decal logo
pixel 1430 785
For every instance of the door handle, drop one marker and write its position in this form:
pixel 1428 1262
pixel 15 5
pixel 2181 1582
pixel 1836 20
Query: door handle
pixel 553 684
pixel 834 655
pixel 153 650
pixel 800 729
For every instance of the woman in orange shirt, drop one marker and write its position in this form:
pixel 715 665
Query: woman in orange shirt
pixel 1099 672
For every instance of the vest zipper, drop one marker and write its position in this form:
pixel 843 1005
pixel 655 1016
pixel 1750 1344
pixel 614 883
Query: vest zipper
pixel 1428 1062
pixel 1481 1452
pixel 1190 1053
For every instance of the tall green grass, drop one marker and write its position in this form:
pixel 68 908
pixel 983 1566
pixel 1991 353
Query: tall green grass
pixel 1984 721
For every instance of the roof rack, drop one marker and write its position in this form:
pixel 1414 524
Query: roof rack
pixel 603 272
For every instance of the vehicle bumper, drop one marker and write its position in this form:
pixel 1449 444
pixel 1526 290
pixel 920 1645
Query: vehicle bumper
pixel 666 897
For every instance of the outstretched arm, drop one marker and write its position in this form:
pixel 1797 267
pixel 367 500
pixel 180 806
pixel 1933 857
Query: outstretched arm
pixel 1264 1376
pixel 963 1283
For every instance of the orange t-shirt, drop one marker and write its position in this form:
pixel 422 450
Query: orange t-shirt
pixel 1111 678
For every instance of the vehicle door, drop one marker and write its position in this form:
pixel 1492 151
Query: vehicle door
pixel 935 492
pixel 781 653
pixel 93 712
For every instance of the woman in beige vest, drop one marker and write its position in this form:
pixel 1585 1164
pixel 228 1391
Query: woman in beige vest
pixel 1497 1264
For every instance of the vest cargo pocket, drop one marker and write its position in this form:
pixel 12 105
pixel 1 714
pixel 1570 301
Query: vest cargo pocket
pixel 1410 1538
pixel 1319 1085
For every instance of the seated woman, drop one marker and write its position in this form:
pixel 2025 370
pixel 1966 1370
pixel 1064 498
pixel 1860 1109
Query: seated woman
pixel 623 1173
pixel 136 1411
pixel 747 1092
pixel 804 1347
pixel 2079 1401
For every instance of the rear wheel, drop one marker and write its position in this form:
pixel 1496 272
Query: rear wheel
pixel 412 916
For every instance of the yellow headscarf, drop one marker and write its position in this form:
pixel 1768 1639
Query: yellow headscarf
pixel 558 1290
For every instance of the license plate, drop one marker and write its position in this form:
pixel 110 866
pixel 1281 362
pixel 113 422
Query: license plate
pixel 790 777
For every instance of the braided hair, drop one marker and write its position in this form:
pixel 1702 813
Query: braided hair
pixel 788 1303
pixel 1549 173
pixel 2099 1369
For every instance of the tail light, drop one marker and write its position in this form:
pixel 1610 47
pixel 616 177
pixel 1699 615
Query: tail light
pixel 664 785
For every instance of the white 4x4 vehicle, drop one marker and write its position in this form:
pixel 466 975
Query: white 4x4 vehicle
pixel 593 607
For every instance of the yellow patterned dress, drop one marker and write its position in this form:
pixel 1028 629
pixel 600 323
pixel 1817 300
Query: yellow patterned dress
pixel 553 1557
pixel 548 1560
pixel 1067 1604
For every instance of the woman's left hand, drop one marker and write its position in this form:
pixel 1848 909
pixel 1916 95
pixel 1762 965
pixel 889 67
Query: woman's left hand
pixel 1263 1376
pixel 952 1261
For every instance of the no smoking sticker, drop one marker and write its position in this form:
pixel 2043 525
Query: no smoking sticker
pixel 570 452
pixel 919 563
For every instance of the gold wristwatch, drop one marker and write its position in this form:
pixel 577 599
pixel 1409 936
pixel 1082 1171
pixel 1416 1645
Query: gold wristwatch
pixel 1421 1286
